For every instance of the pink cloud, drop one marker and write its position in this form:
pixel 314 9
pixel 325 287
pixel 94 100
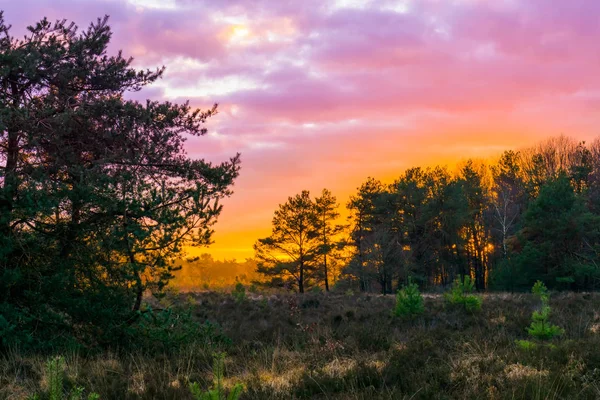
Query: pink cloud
pixel 316 96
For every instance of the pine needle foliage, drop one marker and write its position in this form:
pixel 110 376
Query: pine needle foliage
pixel 461 294
pixel 409 301
pixel 540 327
pixel 217 392
pixel 54 372
pixel 55 376
pixel 97 193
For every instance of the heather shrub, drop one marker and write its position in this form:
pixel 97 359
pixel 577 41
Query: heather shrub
pixel 171 329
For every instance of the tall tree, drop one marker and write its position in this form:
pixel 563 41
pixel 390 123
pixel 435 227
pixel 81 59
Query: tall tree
pixel 593 194
pixel 289 254
pixel 411 221
pixel 475 231
pixel 444 212
pixel 558 241
pixel 326 207
pixel 580 168
pixel 508 197
pixel 363 216
pixel 97 195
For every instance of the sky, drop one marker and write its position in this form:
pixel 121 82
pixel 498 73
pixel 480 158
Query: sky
pixel 323 94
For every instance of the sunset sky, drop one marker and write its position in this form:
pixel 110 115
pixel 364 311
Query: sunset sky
pixel 317 93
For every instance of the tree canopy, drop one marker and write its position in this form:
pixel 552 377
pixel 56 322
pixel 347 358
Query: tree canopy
pixel 97 195
pixel 304 235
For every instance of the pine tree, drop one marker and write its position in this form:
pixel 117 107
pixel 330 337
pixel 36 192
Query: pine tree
pixel 556 242
pixel 326 209
pixel 363 220
pixel 96 192
pixel 289 254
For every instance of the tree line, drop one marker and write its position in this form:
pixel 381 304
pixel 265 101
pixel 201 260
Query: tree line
pixel 205 273
pixel 532 215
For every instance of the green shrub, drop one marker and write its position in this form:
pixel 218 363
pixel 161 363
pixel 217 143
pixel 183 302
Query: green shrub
pixel 525 345
pixel 472 303
pixel 54 375
pixel 217 392
pixel 541 291
pixel 239 293
pixel 540 327
pixel 460 294
pixel 55 370
pixel 409 301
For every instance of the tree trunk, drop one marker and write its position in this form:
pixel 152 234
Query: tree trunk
pixel 138 281
pixel 326 274
pixel 11 183
pixel 138 296
pixel 477 260
pixel 301 280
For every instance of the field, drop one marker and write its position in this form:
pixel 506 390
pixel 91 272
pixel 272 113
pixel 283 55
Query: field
pixel 318 346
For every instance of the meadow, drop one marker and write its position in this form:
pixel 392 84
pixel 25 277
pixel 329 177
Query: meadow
pixel 341 346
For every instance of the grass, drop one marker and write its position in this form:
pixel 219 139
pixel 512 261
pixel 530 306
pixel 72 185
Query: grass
pixel 334 346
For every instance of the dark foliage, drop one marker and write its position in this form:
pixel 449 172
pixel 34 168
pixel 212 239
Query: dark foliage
pixel 96 193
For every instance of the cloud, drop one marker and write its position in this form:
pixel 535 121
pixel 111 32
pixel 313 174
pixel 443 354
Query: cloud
pixel 322 94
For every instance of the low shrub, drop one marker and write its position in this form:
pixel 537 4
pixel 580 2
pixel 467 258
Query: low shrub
pixel 525 345
pixel 55 371
pixel 540 327
pixel 217 392
pixel 409 302
pixel 239 293
pixel 461 294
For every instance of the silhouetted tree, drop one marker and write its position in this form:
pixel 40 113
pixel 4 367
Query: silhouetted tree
pixel 326 209
pixel 508 197
pixel 96 193
pixel 558 243
pixel 475 230
pixel 363 219
pixel 412 222
pixel 290 253
pixel 580 168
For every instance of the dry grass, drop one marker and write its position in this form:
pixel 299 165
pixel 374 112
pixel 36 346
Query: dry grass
pixel 319 346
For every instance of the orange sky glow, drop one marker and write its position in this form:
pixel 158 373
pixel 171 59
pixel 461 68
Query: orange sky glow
pixel 322 94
